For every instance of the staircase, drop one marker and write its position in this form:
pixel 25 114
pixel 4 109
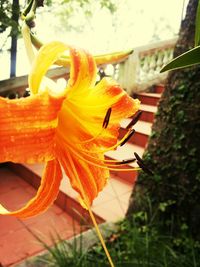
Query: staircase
pixel 66 214
pixel 112 202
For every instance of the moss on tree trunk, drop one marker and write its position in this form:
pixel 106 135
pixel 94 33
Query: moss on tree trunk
pixel 173 152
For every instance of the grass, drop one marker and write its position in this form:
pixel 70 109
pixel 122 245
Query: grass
pixel 131 245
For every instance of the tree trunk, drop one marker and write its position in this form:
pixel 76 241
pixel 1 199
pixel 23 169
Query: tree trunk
pixel 14 34
pixel 173 152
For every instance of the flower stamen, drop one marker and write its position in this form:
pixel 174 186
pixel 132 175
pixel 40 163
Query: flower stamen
pixel 111 162
pixel 102 165
pixel 126 161
pixel 107 118
pixel 142 165
pixel 128 137
pixel 134 120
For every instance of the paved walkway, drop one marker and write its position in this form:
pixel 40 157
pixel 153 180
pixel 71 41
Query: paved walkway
pixel 17 241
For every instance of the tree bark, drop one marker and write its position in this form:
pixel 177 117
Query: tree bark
pixel 173 152
pixel 14 34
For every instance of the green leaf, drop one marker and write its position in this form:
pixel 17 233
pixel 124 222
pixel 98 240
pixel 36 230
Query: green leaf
pixel 187 59
pixel 197 26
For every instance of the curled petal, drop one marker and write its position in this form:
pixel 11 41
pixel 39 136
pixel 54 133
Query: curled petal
pixel 83 71
pixel 28 126
pixel 46 57
pixel 99 59
pixel 45 196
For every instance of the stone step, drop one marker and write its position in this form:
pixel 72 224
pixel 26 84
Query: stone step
pixel 123 153
pixel 159 88
pixel 140 137
pixel 112 202
pixel 149 98
pixel 141 126
pixel 148 112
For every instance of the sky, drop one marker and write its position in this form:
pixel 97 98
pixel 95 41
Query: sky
pixel 132 25
pixel 135 23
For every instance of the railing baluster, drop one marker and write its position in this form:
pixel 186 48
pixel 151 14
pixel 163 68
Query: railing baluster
pixel 146 69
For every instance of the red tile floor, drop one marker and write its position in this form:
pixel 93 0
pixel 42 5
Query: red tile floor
pixel 17 240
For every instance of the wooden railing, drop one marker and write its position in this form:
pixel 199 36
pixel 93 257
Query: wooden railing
pixel 140 71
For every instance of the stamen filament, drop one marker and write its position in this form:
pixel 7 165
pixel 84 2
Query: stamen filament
pixel 100 236
pixel 102 166
pixel 104 160
pixel 115 162
pixel 125 161
pixel 92 139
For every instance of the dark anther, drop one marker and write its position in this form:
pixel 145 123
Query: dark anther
pixel 134 120
pixel 128 137
pixel 26 93
pixel 12 95
pixel 138 157
pixel 30 23
pixel 126 161
pixel 40 3
pixel 107 118
pixel 142 165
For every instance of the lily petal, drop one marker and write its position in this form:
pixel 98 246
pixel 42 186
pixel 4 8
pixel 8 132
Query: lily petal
pixel 28 128
pixel 83 71
pixel 46 57
pixel 45 196
pixel 86 179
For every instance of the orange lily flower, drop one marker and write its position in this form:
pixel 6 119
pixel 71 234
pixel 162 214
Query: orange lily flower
pixel 72 127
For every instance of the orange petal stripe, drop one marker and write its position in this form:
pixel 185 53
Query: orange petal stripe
pixel 27 128
pixel 86 179
pixel 83 71
pixel 45 196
